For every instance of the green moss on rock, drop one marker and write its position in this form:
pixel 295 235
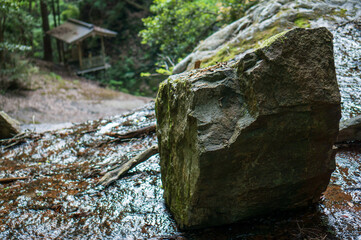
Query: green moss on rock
pixel 278 37
pixel 302 22
pixel 340 12
pixel 231 50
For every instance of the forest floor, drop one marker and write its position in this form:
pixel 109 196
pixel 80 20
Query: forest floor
pixel 57 98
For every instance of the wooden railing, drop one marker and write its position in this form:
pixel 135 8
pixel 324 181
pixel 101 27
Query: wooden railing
pixel 93 62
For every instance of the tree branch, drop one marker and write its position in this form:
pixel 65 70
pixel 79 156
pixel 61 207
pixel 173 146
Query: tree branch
pixel 12 179
pixel 134 134
pixel 136 5
pixel 117 173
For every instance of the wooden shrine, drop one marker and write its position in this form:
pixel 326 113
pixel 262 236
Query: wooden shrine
pixel 73 32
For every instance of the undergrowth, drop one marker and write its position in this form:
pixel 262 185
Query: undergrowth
pixel 16 74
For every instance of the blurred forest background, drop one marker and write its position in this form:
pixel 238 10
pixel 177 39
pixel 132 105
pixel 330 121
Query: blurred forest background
pixel 152 37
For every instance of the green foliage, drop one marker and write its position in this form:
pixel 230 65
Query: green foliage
pixel 20 28
pixel 164 71
pixel 10 47
pixel 9 5
pixel 177 26
pixel 145 74
pixel 55 76
pixel 15 29
pixel 16 23
pixel 121 76
pixel 71 11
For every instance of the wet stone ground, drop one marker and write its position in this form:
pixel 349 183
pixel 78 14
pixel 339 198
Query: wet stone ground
pixel 59 199
pixel 347 52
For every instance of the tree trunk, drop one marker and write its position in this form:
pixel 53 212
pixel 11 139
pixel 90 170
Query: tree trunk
pixel 58 11
pixel 59 22
pixel 136 5
pixel 30 6
pixel 2 30
pixel 55 25
pixel 30 40
pixel 48 53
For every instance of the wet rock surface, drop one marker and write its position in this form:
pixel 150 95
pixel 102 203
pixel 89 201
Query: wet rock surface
pixel 347 48
pixel 241 141
pixel 350 130
pixel 8 127
pixel 264 20
pixel 60 200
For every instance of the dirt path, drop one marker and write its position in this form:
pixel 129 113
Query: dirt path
pixel 58 99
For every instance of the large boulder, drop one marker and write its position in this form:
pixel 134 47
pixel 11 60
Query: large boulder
pixel 242 139
pixel 8 127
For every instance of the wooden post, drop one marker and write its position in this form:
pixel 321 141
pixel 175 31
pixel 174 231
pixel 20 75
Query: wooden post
pixel 90 60
pixel 62 52
pixel 103 49
pixel 80 55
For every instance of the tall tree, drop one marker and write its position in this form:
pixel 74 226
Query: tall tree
pixel 3 5
pixel 2 51
pixel 55 16
pixel 48 53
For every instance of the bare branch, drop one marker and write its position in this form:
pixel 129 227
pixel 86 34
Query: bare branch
pixel 117 173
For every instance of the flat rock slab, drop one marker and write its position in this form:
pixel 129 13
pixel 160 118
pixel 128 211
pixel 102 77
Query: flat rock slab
pixel 242 139
pixel 8 127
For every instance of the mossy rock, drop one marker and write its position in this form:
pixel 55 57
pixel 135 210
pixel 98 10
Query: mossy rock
pixel 241 140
